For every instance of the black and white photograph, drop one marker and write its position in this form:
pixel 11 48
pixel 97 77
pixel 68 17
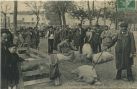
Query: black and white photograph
pixel 68 44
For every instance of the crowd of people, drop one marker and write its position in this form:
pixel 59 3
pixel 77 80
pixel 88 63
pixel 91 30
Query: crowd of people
pixel 78 37
pixel 28 37
pixel 62 39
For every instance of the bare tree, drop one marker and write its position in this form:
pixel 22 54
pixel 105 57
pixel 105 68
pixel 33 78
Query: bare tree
pixel 80 14
pixel 59 8
pixel 5 8
pixel 98 12
pixel 35 7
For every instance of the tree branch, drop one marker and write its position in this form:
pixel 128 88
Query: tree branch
pixel 7 8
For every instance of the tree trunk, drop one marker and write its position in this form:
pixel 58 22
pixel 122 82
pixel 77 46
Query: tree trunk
pixel 89 14
pixel 92 10
pixel 104 16
pixel 116 20
pixel 15 16
pixel 60 20
pixel 104 12
pixel 37 23
pixel 134 27
pixel 98 16
pixel 63 19
pixel 5 20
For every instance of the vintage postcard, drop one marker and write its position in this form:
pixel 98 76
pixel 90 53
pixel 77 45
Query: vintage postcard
pixel 68 44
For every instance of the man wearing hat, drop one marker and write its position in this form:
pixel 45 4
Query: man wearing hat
pixel 125 51
pixel 96 39
pixel 6 40
pixel 50 36
pixel 106 37
pixel 79 37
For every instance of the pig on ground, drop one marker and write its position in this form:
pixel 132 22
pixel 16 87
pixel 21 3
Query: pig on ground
pixel 86 73
pixel 98 58
pixel 102 57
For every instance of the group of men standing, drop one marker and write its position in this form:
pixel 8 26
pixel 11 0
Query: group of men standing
pixel 77 36
pixel 103 39
pixel 29 37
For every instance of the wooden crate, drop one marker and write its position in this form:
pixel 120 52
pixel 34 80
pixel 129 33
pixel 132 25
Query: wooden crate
pixel 41 60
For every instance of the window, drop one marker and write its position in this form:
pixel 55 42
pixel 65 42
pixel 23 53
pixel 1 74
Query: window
pixel 32 19
pixel 43 19
pixel 23 19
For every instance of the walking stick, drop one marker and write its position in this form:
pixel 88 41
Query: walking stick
pixel 94 64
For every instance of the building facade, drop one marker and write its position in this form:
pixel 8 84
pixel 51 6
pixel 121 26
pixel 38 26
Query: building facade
pixel 24 18
pixel 28 19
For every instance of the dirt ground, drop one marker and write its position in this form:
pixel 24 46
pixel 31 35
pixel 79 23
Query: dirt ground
pixel 106 73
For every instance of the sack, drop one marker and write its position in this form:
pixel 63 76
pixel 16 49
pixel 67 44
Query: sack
pixel 86 73
pixel 102 57
pixel 87 50
pixel 65 56
pixel 62 57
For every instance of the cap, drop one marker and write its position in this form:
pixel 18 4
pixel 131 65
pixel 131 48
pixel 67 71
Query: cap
pixel 79 24
pixel 124 24
pixel 12 45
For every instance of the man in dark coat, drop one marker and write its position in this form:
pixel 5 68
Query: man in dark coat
pixel 125 51
pixel 76 38
pixel 80 35
pixel 51 37
pixel 28 38
pixel 96 39
pixel 13 67
pixel 4 58
pixel 57 38
pixel 36 38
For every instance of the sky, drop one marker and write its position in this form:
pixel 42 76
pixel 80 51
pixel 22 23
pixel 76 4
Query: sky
pixel 23 7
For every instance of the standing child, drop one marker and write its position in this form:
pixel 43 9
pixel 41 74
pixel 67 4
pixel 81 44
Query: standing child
pixel 13 67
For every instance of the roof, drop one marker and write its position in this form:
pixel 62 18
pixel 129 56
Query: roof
pixel 26 12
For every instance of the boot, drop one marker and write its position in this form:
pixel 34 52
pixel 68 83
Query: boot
pixel 118 76
pixel 129 75
pixel 57 81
